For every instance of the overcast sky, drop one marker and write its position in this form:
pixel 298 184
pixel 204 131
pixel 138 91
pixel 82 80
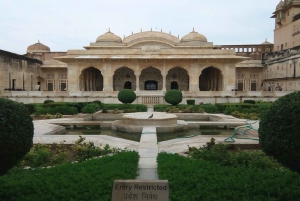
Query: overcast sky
pixel 72 24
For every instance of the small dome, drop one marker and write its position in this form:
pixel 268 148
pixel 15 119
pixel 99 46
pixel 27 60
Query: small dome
pixel 38 47
pixel 109 37
pixel 193 36
pixel 266 42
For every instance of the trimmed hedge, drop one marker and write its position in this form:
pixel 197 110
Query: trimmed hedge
pixel 91 108
pixel 279 131
pixel 62 109
pixel 126 96
pixel 190 102
pixel 249 101
pixel 173 97
pixel 259 107
pixel 30 107
pixel 99 103
pixel 16 133
pixel 209 108
pixel 137 107
pixel 194 180
pixel 89 180
pixel 48 101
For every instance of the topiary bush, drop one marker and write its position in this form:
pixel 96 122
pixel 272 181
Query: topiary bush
pixel 16 133
pixel 173 97
pixel 279 131
pixel 126 96
pixel 190 102
pixel 48 101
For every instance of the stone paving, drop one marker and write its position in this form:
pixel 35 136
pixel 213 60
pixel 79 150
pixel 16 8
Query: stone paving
pixel 148 147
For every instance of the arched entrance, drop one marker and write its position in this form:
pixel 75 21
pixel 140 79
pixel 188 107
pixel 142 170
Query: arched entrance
pixel 124 78
pixel 127 85
pixel 177 78
pixel 211 79
pixel 151 78
pixel 91 79
pixel 174 85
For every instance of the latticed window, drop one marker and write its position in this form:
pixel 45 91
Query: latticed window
pixel 63 76
pixel 49 76
pixel 254 76
pixel 240 76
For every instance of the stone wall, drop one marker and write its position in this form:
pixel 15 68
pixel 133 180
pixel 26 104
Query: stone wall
pixel 18 72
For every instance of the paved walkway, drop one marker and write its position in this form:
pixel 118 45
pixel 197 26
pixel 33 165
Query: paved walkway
pixel 148 147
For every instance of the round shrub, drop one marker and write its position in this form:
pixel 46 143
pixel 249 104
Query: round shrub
pixel 173 97
pixel 90 108
pixel 48 101
pixel 126 96
pixel 279 131
pixel 16 133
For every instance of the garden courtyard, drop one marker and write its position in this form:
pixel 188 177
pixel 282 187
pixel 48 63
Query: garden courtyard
pixel 197 166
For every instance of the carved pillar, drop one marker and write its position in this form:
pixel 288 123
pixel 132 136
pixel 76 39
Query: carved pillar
pixel 73 77
pixel 229 77
pixel 194 74
pixel 107 78
pixel 164 75
pixel 137 80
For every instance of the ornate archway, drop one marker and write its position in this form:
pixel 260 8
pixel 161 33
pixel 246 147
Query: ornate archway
pixel 91 79
pixel 179 76
pixel 151 79
pixel 211 79
pixel 122 77
pixel 127 85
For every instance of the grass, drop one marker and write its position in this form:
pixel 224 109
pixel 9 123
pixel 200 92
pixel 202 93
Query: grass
pixel 89 180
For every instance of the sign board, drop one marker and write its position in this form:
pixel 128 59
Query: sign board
pixel 140 190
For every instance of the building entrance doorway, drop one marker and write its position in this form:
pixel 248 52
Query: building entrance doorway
pixel 150 85
pixel 127 85
pixel 211 79
pixel 174 85
pixel 91 79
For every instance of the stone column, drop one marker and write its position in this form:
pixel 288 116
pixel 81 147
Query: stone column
pixel 194 74
pixel 229 77
pixel 107 78
pixel 137 74
pixel 73 77
pixel 137 81
pixel 164 75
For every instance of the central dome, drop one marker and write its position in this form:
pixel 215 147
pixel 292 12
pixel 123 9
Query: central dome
pixel 109 37
pixel 151 36
pixel 193 36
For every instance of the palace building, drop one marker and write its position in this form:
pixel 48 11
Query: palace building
pixel 152 62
